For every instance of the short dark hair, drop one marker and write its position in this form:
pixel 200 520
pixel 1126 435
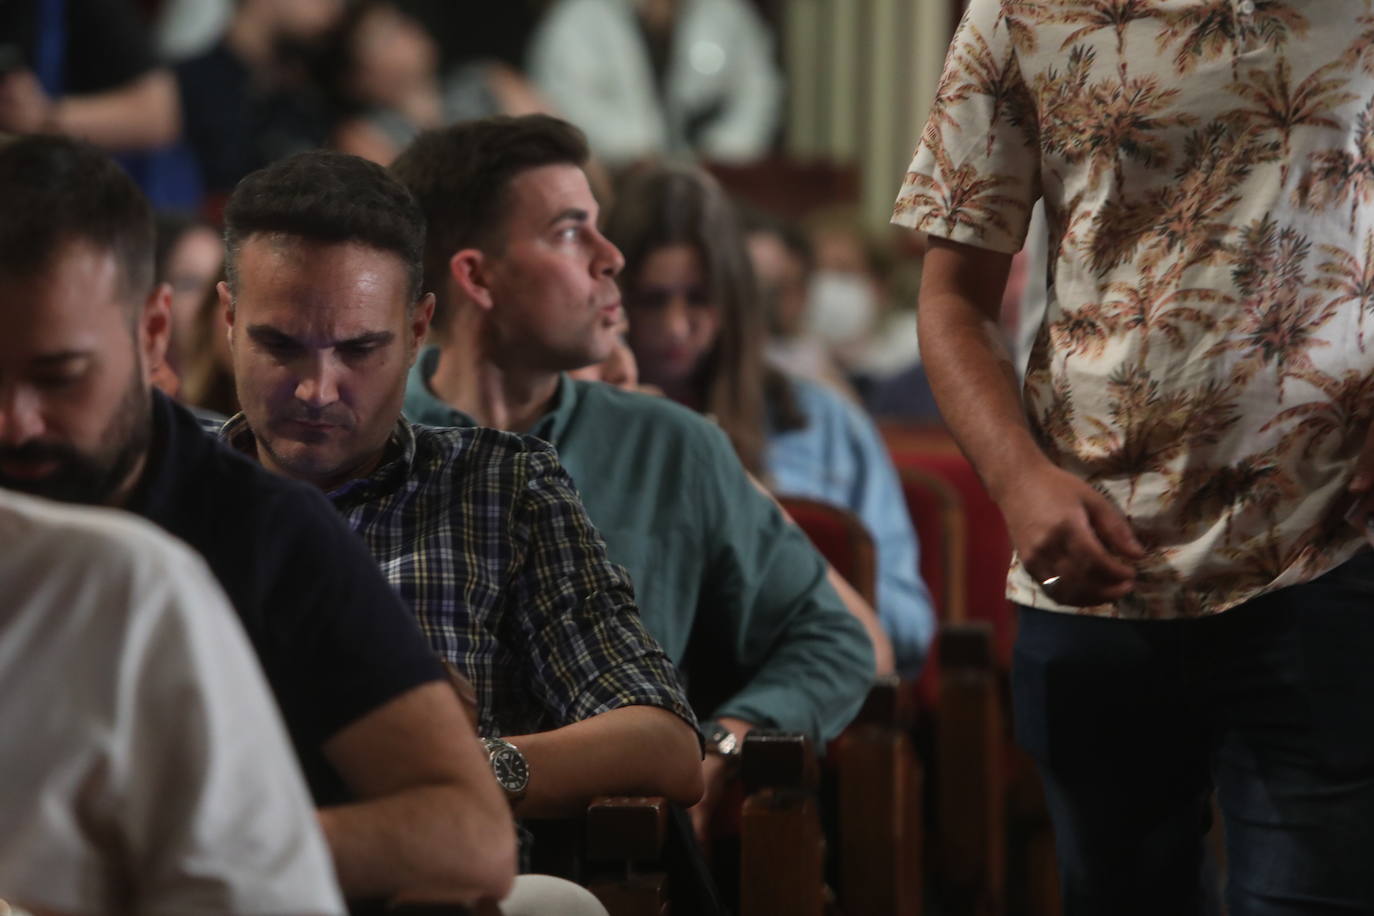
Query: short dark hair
pixel 461 175
pixel 324 196
pixel 56 190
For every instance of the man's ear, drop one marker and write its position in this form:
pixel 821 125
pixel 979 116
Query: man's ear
pixel 226 304
pixel 419 323
pixel 155 327
pixel 470 272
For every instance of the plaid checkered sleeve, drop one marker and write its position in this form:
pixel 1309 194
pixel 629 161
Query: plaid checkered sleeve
pixel 578 611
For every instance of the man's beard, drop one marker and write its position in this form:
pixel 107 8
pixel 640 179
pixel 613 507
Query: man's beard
pixel 89 479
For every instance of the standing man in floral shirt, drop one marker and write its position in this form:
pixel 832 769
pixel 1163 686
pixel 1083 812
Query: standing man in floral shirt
pixel 1181 471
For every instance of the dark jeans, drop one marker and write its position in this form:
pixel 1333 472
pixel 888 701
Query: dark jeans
pixel 1271 705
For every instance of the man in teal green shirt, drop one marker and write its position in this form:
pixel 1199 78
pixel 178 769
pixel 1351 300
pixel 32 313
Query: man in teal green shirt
pixel 526 292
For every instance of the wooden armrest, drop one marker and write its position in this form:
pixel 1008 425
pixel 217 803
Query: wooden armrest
pixel 779 760
pixel 782 852
pixel 971 751
pixel 891 703
pixel 626 828
pixel 879 783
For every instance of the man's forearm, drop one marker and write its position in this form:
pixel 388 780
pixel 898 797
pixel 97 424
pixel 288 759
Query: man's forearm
pixel 635 750
pixel 967 363
pixel 141 115
pixel 428 843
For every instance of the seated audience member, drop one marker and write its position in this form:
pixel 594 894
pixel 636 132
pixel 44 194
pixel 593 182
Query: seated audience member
pixel 621 370
pixel 406 799
pixel 526 287
pixel 696 326
pixel 207 378
pixel 254 98
pixel 480 531
pixel 187 258
pixel 85 68
pixel 784 263
pixel 648 78
pixel 385 74
pixel 154 776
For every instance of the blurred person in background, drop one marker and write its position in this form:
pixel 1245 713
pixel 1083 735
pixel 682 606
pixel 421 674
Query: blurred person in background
pixel 187 28
pixel 187 257
pixel 207 376
pixel 784 262
pixel 254 98
pixel 85 68
pixel 856 304
pixel 649 78
pixel 696 327
pixel 385 75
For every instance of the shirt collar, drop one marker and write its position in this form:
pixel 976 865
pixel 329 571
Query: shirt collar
pixel 424 406
pixel 396 466
pixel 161 470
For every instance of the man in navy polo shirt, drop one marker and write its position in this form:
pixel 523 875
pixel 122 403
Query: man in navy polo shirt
pixel 406 798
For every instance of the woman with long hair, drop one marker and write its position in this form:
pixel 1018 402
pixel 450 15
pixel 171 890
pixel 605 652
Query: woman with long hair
pixel 696 326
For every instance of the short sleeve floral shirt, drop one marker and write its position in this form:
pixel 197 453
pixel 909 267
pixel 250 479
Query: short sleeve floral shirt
pixel 1207 358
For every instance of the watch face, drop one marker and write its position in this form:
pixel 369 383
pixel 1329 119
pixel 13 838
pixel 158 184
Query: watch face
pixel 511 769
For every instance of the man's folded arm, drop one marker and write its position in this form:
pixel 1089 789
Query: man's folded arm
pixel 431 823
pixel 632 730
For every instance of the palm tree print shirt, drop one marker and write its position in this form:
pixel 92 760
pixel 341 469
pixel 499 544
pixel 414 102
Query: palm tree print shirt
pixel 1207 168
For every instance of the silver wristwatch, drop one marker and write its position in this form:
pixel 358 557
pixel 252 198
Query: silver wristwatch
pixel 720 741
pixel 510 767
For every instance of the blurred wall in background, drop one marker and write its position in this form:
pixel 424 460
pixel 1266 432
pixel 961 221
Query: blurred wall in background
pixel 861 76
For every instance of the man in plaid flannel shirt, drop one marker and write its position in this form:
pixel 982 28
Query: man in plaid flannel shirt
pixel 481 532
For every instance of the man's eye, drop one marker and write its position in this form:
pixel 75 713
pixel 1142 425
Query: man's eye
pixel 357 351
pixel 280 347
pixel 55 382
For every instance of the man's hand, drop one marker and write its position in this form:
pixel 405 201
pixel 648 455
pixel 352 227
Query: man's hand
pixel 1061 527
pixel 716 772
pixel 24 107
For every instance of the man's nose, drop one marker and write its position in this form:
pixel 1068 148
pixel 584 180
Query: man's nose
pixel 318 385
pixel 609 262
pixel 20 418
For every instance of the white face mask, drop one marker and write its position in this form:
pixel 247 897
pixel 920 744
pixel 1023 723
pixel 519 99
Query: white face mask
pixel 841 306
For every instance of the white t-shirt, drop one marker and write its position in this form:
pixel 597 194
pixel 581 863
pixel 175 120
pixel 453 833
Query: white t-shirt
pixel 591 59
pixel 145 768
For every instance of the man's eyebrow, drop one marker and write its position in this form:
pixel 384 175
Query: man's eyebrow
pixel 371 338
pixel 266 334
pixel 572 213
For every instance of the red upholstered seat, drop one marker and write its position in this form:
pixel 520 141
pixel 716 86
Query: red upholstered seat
pixel 965 551
pixel 841 538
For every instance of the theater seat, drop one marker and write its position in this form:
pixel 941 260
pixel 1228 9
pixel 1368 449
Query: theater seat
pixel 841 537
pixel 985 789
pixel 782 847
pixel 873 765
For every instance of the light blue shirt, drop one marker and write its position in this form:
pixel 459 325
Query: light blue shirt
pixel 839 458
